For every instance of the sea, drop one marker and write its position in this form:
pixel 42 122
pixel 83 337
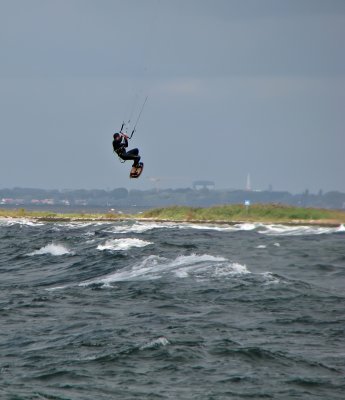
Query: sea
pixel 147 310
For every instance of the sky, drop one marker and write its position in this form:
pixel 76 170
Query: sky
pixel 235 88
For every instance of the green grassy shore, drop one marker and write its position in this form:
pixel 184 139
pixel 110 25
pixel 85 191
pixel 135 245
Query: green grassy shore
pixel 226 214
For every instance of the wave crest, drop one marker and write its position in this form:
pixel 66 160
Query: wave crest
pixel 154 267
pixel 122 244
pixel 52 249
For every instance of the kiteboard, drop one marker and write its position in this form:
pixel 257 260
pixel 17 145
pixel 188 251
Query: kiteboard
pixel 136 171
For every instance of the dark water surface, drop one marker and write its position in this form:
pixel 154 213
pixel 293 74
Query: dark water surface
pixel 171 311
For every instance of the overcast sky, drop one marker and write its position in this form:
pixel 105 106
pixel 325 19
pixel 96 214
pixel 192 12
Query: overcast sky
pixel 234 87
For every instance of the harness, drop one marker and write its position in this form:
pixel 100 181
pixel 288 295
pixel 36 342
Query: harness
pixel 119 151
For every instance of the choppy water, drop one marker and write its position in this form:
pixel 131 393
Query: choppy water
pixel 135 310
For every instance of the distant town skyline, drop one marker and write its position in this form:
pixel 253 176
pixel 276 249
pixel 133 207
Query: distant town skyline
pixel 203 194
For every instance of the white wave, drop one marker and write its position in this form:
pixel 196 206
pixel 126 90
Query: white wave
pixel 122 244
pixel 78 224
pixel 218 227
pixel 208 227
pixel 144 269
pixel 267 229
pixel 246 226
pixel 155 343
pixel 8 221
pixel 285 230
pixel 56 288
pixel 52 249
pixel 205 267
pixel 341 228
pixel 89 233
pixel 154 267
pixel 139 227
pixel 264 246
pixel 231 270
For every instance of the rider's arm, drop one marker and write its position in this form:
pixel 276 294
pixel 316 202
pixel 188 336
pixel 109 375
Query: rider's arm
pixel 125 138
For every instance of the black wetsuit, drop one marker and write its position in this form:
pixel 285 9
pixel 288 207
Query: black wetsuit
pixel 120 146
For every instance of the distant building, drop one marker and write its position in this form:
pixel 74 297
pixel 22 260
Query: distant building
pixel 12 201
pixel 43 201
pixel 197 185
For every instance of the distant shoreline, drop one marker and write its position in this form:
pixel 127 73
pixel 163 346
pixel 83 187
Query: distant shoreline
pixel 221 215
pixel 324 223
pixel 191 221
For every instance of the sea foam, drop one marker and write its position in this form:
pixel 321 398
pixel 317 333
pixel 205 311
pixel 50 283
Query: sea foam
pixel 139 227
pixel 154 267
pixel 155 343
pixel 52 249
pixel 267 229
pixel 284 230
pixel 122 244
pixel 8 221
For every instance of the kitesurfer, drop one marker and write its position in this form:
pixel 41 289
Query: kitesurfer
pixel 120 143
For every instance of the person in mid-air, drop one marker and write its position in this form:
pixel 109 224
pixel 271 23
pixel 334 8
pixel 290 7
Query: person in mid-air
pixel 120 143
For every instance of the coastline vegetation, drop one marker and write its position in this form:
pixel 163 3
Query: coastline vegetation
pixel 239 212
pixel 232 213
pixel 47 215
